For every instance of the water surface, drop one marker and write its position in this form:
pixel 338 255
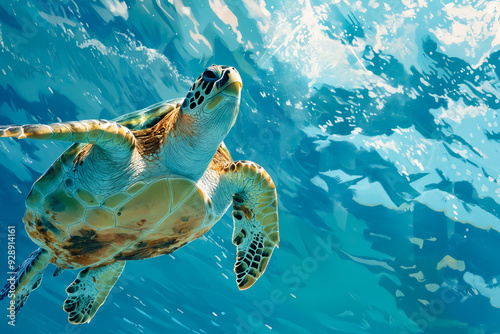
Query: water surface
pixel 378 122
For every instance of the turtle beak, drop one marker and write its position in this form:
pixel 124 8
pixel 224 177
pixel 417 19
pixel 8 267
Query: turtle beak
pixel 232 86
pixel 233 89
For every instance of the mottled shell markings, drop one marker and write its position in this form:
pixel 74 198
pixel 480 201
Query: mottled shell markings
pixel 63 207
pixel 158 210
pixel 100 218
pixel 113 201
pixel 143 210
pixel 86 197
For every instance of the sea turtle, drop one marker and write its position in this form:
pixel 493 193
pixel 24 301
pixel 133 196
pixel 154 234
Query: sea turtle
pixel 140 186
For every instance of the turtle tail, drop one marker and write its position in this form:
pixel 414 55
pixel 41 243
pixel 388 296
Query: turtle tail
pixel 26 278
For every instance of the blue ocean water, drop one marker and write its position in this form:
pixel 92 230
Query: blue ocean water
pixel 378 121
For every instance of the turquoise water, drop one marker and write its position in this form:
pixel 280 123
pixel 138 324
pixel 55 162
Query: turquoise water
pixel 378 122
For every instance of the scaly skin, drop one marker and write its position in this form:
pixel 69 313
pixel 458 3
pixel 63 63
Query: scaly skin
pixel 255 212
pixel 144 186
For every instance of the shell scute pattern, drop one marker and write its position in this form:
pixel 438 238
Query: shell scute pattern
pixel 86 197
pixel 63 207
pixel 186 217
pixel 100 218
pixel 135 187
pixel 84 247
pixel 51 179
pixel 181 188
pixel 113 201
pixel 182 223
pixel 146 208
pixel 120 237
pixel 43 224
pixel 155 216
pixel 34 199
pixel 148 117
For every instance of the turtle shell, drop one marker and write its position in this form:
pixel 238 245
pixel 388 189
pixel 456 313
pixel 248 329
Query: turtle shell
pixel 148 117
pixel 150 218
pixel 136 120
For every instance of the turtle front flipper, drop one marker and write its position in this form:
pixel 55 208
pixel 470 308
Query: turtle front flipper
pixel 255 216
pixel 89 291
pixel 98 132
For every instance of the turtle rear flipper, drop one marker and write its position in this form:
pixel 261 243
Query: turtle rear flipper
pixel 27 278
pixel 99 132
pixel 255 217
pixel 58 271
pixel 89 291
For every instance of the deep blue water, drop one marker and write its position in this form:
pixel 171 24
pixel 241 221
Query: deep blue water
pixel 378 122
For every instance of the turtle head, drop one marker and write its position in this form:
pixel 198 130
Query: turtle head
pixel 205 117
pixel 213 101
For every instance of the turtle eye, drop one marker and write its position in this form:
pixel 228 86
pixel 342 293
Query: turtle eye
pixel 209 75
